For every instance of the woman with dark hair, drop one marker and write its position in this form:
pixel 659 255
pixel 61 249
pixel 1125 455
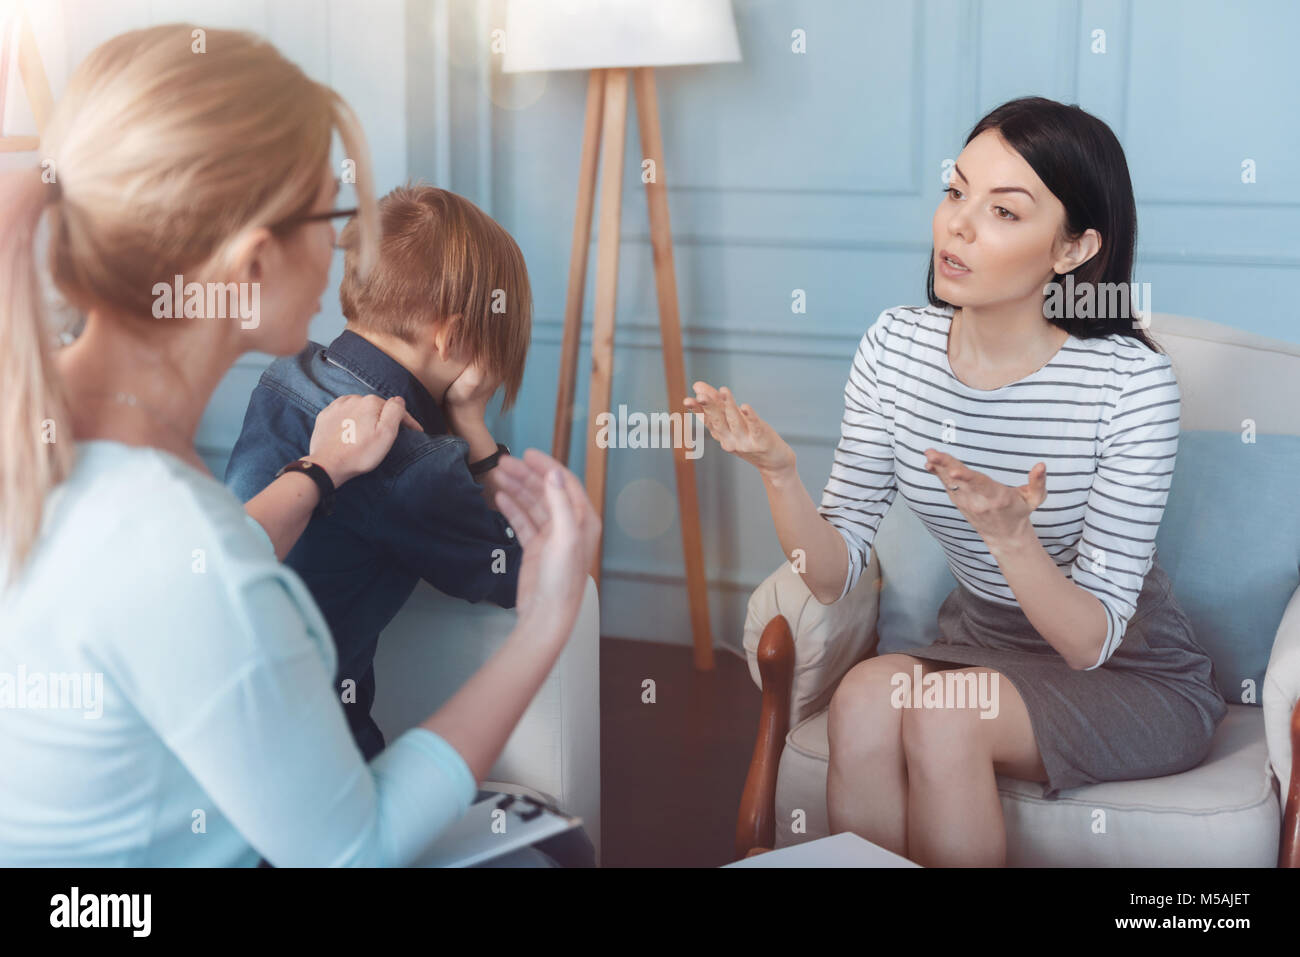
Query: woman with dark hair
pixel 1038 449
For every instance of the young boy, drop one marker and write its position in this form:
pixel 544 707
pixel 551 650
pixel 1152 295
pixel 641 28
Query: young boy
pixel 442 320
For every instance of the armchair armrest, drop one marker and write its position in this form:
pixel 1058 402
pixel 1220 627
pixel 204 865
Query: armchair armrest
pixel 1279 698
pixel 798 650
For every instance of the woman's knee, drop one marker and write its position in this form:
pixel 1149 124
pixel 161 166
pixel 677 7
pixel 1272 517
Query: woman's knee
pixel 862 715
pixel 936 740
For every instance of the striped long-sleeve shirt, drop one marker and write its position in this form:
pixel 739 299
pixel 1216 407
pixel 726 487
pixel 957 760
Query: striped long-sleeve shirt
pixel 1102 414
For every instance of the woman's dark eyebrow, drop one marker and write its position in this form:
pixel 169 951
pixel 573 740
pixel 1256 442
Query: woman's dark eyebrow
pixel 1000 189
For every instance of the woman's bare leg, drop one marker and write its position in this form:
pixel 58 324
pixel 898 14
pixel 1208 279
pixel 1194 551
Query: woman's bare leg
pixel 954 815
pixel 866 783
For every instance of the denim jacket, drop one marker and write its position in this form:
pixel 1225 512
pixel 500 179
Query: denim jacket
pixel 419 514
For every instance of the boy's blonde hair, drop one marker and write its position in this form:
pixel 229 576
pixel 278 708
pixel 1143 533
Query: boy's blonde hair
pixel 162 158
pixel 441 256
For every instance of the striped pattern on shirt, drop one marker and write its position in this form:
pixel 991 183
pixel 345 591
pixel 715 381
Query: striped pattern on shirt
pixel 1102 415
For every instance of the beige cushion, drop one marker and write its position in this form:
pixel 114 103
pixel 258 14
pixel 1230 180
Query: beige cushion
pixel 829 639
pixel 1226 374
pixel 1222 813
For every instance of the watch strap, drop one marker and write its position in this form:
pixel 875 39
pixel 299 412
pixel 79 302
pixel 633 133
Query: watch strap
pixel 482 465
pixel 317 475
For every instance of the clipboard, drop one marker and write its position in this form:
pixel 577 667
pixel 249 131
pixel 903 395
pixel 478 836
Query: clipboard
pixel 496 826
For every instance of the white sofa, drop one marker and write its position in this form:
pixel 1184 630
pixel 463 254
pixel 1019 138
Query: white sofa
pixel 433 646
pixel 1226 812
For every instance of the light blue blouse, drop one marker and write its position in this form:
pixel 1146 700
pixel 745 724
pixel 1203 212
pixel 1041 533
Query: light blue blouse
pixel 166 693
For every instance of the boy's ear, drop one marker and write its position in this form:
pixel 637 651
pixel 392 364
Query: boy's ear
pixel 442 335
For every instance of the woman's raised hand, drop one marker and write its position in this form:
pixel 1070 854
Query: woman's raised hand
pixel 739 429
pixel 559 530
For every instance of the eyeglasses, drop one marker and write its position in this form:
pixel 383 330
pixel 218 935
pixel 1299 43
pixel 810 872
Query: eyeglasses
pixel 292 221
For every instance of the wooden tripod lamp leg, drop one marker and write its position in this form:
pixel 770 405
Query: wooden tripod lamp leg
pixel 614 128
pixel 578 267
pixel 670 329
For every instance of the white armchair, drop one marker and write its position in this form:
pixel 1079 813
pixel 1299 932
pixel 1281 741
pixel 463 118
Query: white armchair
pixel 1225 812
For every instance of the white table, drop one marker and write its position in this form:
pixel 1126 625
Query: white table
pixel 839 850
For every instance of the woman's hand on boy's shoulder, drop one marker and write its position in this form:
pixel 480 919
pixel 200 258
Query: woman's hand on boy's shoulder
pixel 354 433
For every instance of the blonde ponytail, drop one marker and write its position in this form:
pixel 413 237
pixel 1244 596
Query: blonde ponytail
pixel 34 456
pixel 163 156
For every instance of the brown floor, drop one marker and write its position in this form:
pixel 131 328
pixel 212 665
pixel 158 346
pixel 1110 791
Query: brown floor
pixel 671 772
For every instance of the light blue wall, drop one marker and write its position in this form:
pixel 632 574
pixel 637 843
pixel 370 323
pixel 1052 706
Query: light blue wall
pixel 818 172
pixel 821 172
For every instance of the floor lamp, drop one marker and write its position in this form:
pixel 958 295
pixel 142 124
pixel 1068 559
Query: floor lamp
pixel 612 39
pixel 32 74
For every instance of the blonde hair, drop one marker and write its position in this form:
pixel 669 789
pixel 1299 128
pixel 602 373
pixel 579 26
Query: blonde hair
pixel 441 256
pixel 161 157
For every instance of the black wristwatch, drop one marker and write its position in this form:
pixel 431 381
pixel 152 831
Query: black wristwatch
pixel 482 465
pixel 320 477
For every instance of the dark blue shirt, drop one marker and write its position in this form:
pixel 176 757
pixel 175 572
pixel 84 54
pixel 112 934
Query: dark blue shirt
pixel 419 514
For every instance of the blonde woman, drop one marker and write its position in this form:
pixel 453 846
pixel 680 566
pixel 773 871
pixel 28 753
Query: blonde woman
pixel 208 731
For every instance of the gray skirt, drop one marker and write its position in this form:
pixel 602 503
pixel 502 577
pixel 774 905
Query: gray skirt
pixel 1150 710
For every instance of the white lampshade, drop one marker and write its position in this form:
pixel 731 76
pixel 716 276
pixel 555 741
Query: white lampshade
pixel 595 34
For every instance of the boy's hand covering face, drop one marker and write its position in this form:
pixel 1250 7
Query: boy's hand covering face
pixel 471 389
